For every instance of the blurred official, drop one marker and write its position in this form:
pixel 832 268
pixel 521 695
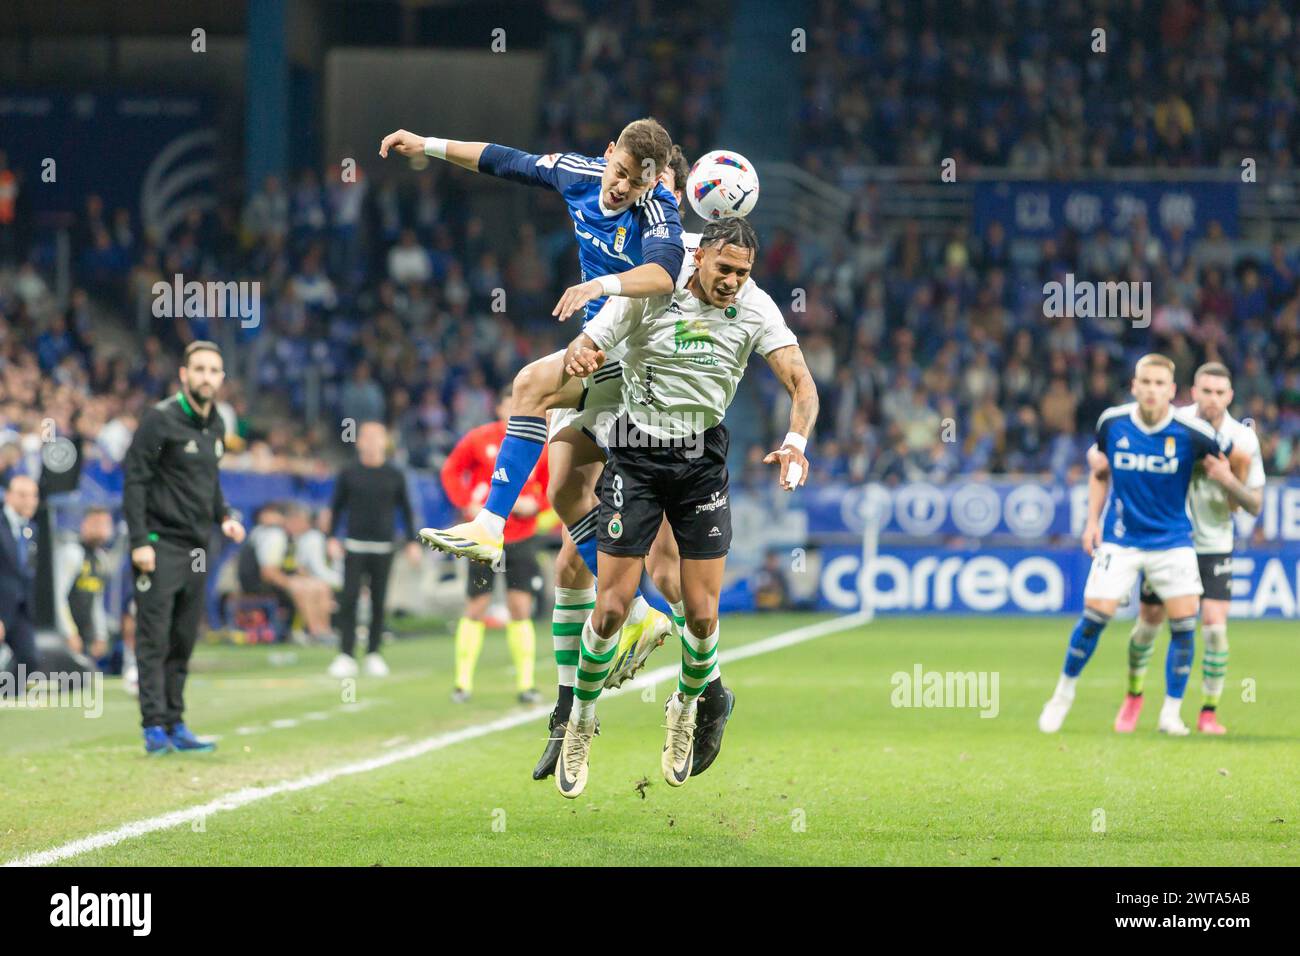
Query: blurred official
pixel 369 492
pixel 172 497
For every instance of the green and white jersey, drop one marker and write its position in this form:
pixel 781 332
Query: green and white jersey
pixel 1207 502
pixel 683 358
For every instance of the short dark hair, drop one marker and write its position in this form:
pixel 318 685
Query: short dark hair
pixel 200 345
pixel 1213 368
pixel 732 231
pixel 646 139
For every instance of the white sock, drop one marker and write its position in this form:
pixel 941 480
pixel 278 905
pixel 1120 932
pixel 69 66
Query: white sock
pixel 676 704
pixel 637 612
pixel 492 523
pixel 585 709
pixel 1171 708
pixel 1065 686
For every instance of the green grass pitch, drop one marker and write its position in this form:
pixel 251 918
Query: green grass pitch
pixel 818 767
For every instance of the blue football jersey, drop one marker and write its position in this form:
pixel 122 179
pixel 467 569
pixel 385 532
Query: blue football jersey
pixel 1150 471
pixel 650 230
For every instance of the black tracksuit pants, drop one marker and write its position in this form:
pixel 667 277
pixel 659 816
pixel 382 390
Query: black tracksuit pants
pixel 373 568
pixel 169 605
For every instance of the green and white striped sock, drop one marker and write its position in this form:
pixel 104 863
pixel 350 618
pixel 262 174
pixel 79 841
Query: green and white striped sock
pixel 699 662
pixel 1141 642
pixel 1214 665
pixel 679 615
pixel 595 655
pixel 572 607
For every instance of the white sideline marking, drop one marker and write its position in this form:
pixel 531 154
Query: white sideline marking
pixel 241 798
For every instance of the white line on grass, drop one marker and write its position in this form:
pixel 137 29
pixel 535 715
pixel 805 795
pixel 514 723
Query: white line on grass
pixel 241 798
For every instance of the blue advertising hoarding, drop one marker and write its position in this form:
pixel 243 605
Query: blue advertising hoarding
pixel 910 580
pixel 1037 210
pixel 153 154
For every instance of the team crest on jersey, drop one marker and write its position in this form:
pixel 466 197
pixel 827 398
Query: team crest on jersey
pixel 1170 446
pixel 620 238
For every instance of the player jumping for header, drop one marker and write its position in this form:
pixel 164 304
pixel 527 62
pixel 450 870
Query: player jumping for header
pixel 629 243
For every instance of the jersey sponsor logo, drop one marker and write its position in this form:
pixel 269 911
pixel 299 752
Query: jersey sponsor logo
pixel 603 246
pixel 692 336
pixel 1154 464
pixel 656 232
pixel 500 475
pixel 620 238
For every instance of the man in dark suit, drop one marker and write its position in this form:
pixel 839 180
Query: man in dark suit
pixel 18 572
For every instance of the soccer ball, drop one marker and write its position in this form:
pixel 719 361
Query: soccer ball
pixel 722 184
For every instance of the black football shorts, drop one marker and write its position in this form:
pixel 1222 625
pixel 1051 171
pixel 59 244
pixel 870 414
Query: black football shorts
pixel 645 479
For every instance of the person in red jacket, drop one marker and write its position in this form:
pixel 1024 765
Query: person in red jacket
pixel 467 476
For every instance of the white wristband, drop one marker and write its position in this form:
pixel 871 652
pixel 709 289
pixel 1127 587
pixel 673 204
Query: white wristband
pixel 435 147
pixel 795 440
pixel 612 285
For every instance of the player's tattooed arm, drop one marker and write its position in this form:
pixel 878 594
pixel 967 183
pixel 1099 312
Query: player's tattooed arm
pixel 583 356
pixel 1230 472
pixel 792 371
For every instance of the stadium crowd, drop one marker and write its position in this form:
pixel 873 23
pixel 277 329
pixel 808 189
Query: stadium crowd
pixel 1033 86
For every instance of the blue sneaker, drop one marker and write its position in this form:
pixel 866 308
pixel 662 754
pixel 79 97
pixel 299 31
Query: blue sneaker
pixel 156 741
pixel 183 739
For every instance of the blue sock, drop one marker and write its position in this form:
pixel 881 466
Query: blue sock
pixel 584 537
pixel 1178 663
pixel 520 449
pixel 1083 640
pixel 583 534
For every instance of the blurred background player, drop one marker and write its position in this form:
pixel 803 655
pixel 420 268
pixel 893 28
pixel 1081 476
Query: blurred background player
pixel 628 232
pixel 668 458
pixel 1214 494
pixel 368 495
pixel 466 476
pixel 1151 450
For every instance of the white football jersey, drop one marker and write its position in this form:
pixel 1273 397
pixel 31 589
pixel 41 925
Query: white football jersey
pixel 691 240
pixel 1207 502
pixel 683 358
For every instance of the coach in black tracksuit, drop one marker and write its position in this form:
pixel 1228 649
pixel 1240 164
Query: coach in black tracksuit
pixel 371 492
pixel 172 498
